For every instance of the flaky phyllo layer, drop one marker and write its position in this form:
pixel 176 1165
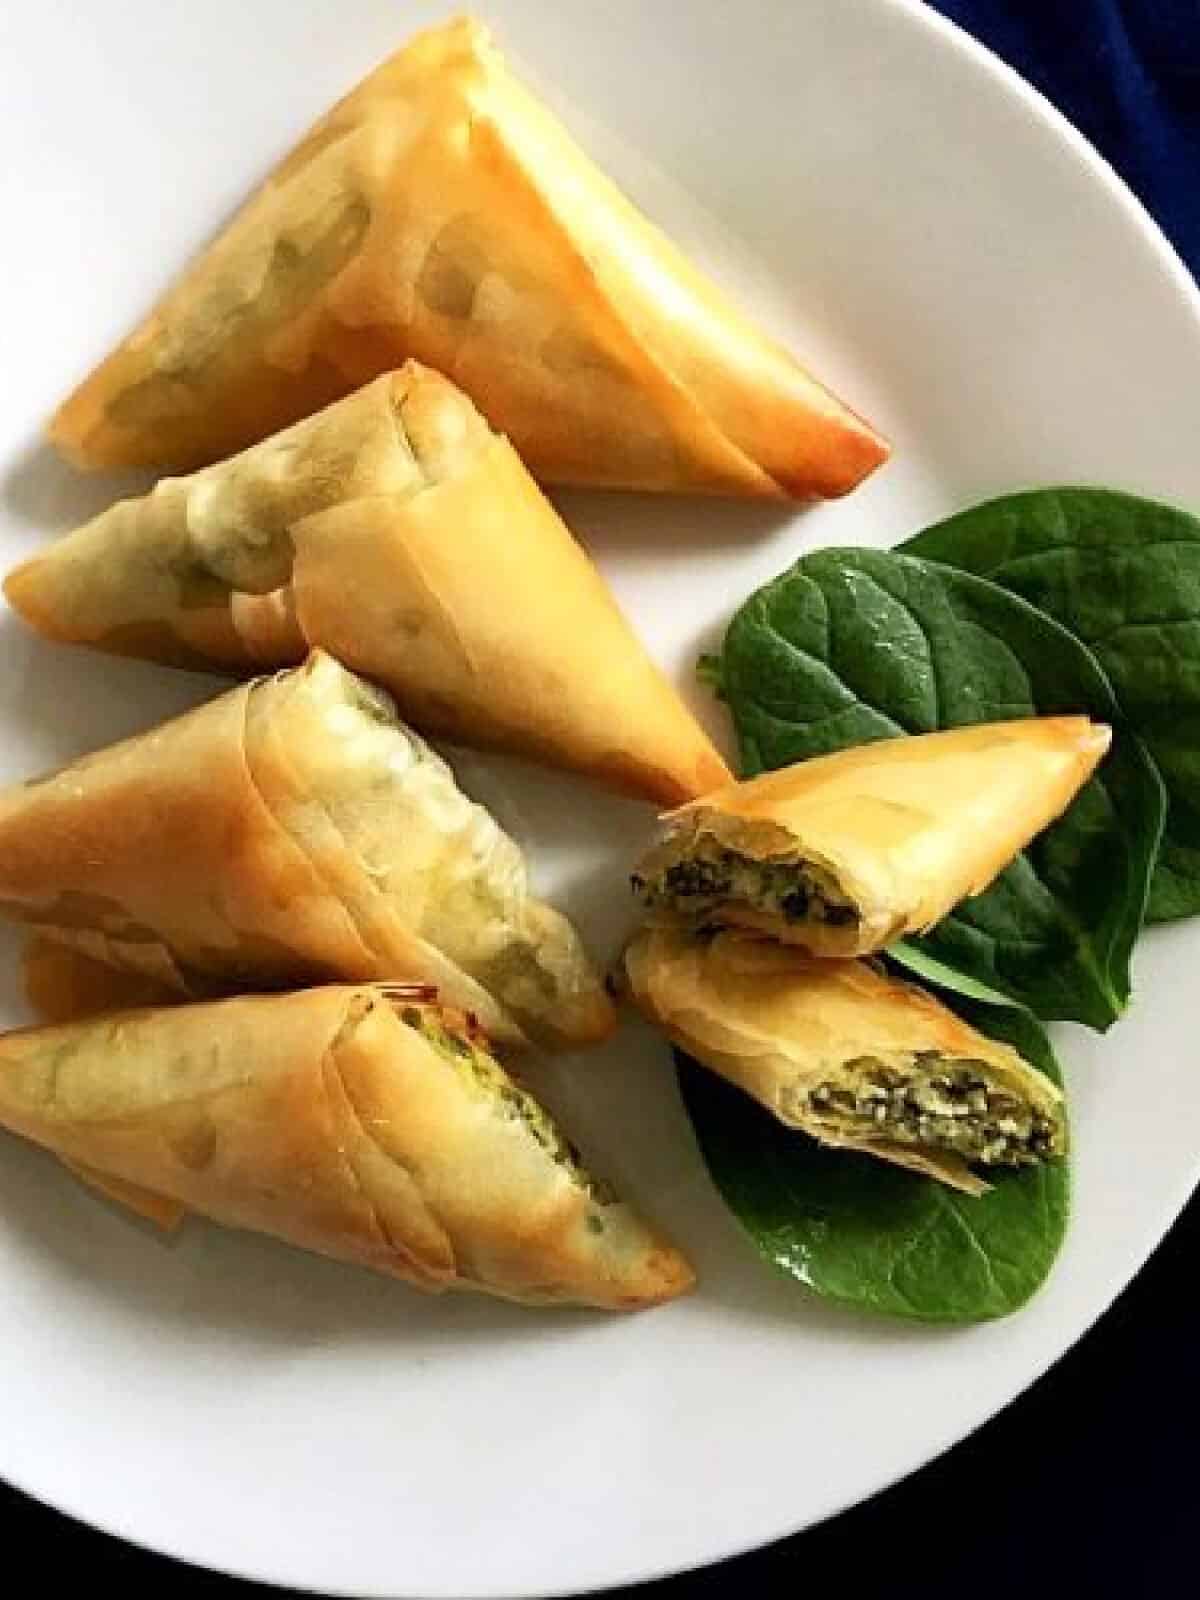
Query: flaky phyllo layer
pixel 202 571
pixel 366 1123
pixel 292 831
pixel 440 212
pixel 396 530
pixel 844 853
pixel 841 1052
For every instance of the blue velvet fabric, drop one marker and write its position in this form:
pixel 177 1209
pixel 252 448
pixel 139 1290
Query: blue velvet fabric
pixel 1127 74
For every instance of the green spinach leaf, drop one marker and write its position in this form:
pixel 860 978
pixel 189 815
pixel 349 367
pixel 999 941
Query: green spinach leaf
pixel 853 645
pixel 917 962
pixel 1124 575
pixel 856 1230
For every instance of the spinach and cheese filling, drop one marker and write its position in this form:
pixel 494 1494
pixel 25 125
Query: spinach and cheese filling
pixel 936 1103
pixel 841 1051
pixel 458 1039
pixel 697 885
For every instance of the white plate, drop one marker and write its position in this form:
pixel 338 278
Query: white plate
pixel 945 250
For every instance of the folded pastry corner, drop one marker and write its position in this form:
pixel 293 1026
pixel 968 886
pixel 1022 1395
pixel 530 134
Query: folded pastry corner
pixel 291 831
pixel 440 211
pixel 841 1052
pixel 847 852
pixel 398 531
pixel 62 984
pixel 359 1122
pixel 159 1209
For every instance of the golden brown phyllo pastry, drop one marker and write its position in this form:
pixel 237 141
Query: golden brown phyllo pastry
pixel 440 211
pixel 357 1122
pixel 294 831
pixel 396 530
pixel 845 853
pixel 841 1052
pixel 62 984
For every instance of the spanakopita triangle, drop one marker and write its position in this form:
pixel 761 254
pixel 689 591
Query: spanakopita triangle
pixel 355 1121
pixel 441 212
pixel 397 531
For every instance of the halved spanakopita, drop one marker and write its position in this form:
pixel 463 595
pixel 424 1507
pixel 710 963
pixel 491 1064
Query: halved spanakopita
pixel 845 853
pixel 839 1051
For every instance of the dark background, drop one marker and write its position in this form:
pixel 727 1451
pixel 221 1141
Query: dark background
pixel 1087 1479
